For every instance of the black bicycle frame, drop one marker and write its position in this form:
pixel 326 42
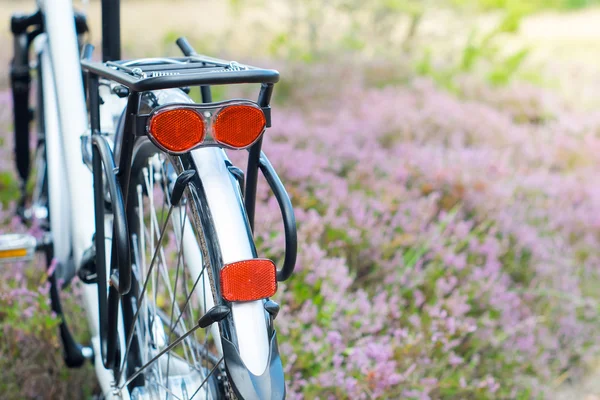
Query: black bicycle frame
pixel 194 70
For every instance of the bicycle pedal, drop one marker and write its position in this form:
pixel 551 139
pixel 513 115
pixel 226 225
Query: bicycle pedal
pixel 17 247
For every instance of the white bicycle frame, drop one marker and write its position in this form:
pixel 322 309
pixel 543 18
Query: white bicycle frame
pixel 71 201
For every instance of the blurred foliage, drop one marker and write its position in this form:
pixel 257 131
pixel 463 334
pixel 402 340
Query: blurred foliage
pixel 371 26
pixel 392 29
pixel 530 5
pixel 480 50
pixel 31 362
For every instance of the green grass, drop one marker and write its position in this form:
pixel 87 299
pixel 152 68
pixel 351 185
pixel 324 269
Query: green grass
pixel 9 188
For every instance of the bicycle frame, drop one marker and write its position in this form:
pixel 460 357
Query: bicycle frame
pixel 70 181
pixel 75 220
pixel 252 358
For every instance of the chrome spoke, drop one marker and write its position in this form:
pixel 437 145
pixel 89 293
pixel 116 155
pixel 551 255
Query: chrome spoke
pixel 165 276
pixel 160 354
pixel 162 236
pixel 187 300
pixel 143 261
pixel 141 299
pixel 174 298
pixel 206 379
pixel 168 390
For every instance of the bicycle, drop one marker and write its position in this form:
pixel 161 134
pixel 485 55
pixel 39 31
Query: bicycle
pixel 137 197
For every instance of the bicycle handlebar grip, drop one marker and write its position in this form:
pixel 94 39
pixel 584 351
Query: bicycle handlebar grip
pixel 185 46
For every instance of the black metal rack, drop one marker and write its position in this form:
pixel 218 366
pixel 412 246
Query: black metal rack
pixel 139 76
pixel 179 72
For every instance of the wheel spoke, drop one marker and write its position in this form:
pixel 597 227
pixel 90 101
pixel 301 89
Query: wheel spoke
pixel 168 277
pixel 174 298
pixel 187 300
pixel 165 276
pixel 156 357
pixel 141 299
pixel 206 379
pixel 168 390
pixel 143 261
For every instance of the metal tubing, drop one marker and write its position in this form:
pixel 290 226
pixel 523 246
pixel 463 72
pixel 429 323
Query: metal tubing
pixel 107 357
pixel 206 94
pixel 190 78
pixel 289 219
pixel 94 102
pixel 111 30
pixel 252 181
pixel 120 257
pixel 20 80
pixel 127 142
pixel 264 98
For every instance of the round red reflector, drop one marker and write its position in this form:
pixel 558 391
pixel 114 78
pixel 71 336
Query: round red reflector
pixel 238 126
pixel 177 130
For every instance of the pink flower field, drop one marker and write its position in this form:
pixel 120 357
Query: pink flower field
pixel 449 246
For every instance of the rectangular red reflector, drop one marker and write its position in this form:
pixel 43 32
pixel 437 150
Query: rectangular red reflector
pixel 248 280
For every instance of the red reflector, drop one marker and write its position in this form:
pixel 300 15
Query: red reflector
pixel 248 280
pixel 239 125
pixel 177 130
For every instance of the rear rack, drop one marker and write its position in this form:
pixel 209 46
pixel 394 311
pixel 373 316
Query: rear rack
pixel 166 73
pixel 143 75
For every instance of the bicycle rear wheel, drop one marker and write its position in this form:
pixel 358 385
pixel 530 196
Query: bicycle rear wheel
pixel 167 355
